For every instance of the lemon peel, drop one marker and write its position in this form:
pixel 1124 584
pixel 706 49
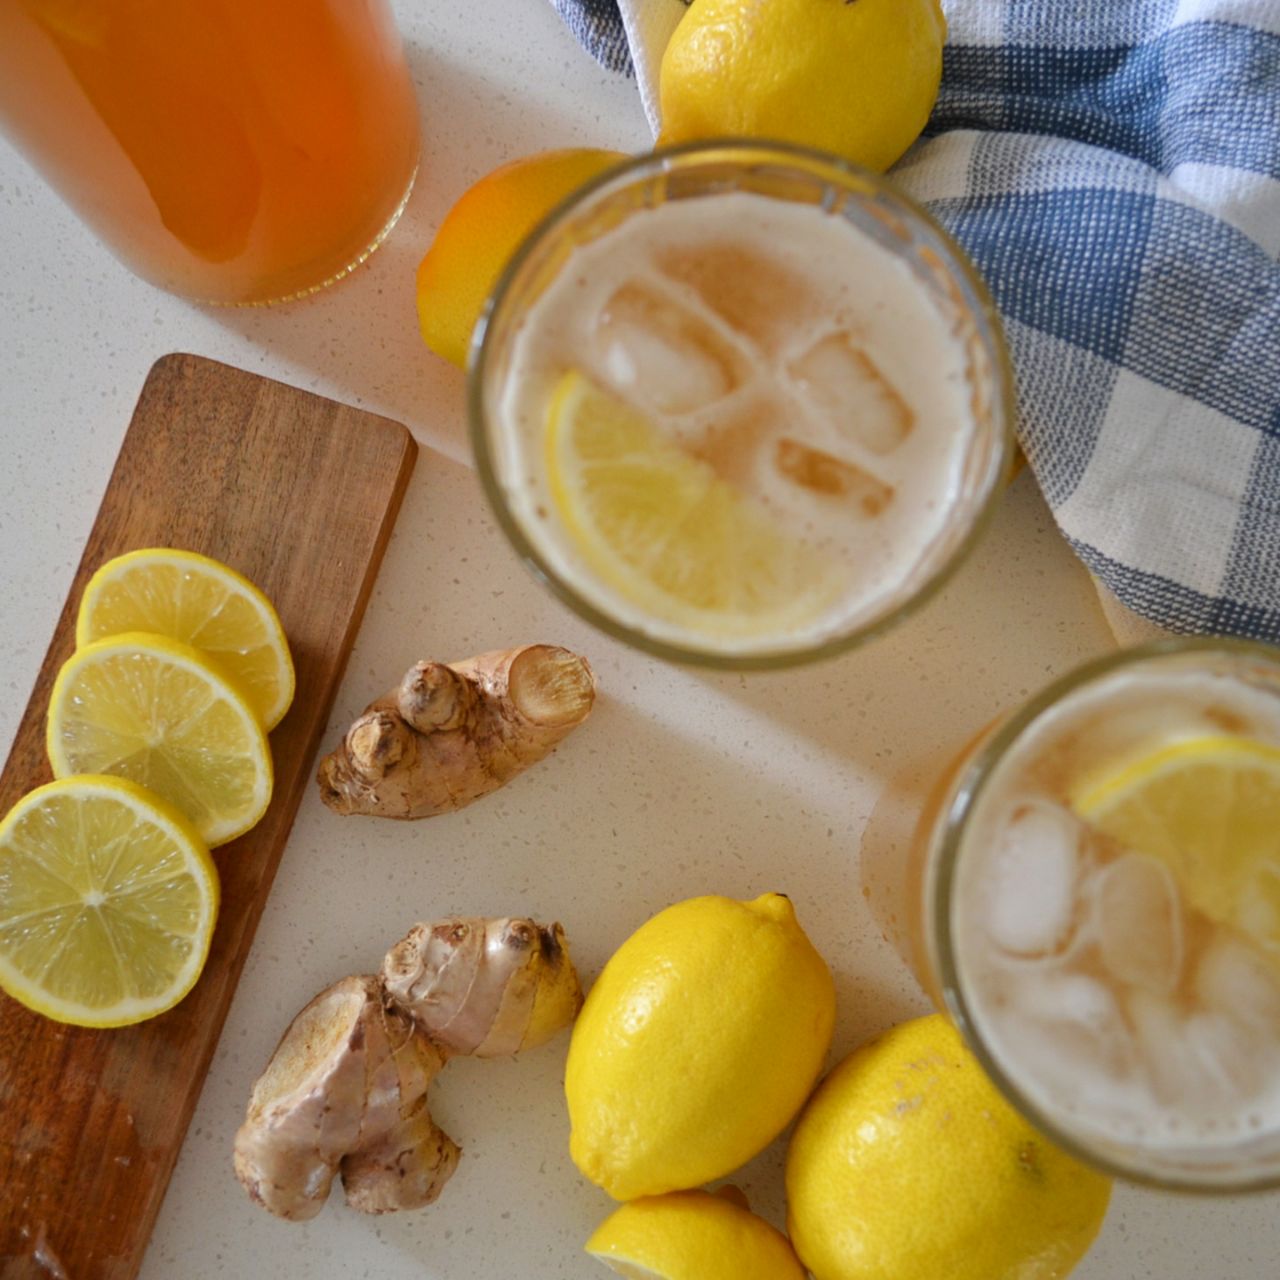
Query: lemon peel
pixel 858 79
pixel 692 1235
pixel 907 1164
pixel 697 1045
pixel 481 232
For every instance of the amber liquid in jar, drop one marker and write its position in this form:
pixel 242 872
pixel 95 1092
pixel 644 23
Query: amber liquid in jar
pixel 232 151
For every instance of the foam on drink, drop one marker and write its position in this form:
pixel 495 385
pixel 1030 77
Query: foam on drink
pixel 1116 1007
pixel 784 346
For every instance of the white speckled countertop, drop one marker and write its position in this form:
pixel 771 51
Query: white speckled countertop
pixel 681 783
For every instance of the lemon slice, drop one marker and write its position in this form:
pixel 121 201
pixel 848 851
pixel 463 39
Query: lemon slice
pixel 662 529
pixel 107 902
pixel 1209 808
pixel 203 603
pixel 157 711
pixel 692 1235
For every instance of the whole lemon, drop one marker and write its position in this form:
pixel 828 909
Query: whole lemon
pixel 481 232
pixel 693 1235
pixel 907 1164
pixel 699 1042
pixel 855 77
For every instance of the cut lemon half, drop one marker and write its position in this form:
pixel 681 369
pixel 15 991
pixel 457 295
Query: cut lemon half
pixel 692 1235
pixel 202 602
pixel 1209 808
pixel 664 531
pixel 108 898
pixel 158 712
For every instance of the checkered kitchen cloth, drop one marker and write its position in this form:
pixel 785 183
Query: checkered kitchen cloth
pixel 1113 166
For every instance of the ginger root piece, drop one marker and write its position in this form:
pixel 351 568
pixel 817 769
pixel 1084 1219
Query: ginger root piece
pixel 451 733
pixel 487 988
pixel 346 1090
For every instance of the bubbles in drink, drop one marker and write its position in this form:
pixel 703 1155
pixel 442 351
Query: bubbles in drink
pixel 1139 922
pixel 1032 880
pixel 660 354
pixel 842 386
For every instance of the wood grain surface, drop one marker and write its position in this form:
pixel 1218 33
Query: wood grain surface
pixel 299 494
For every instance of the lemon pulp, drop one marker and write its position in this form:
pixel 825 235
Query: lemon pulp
pixel 108 898
pixel 203 603
pixel 660 528
pixel 156 711
pixel 1209 808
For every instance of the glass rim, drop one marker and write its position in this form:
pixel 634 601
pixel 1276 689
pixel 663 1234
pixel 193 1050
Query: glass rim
pixel 632 170
pixel 943 855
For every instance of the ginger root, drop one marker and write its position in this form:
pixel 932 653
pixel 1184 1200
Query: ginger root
pixel 458 980
pixel 345 1092
pixel 450 733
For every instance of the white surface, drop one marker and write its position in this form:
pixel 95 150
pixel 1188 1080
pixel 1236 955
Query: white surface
pixel 679 784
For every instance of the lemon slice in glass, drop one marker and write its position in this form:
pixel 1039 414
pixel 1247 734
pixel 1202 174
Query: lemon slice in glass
pixel 1209 808
pixel 202 602
pixel 108 898
pixel 158 712
pixel 660 528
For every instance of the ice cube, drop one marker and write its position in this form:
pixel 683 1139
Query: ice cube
pixel 1057 1058
pixel 1138 915
pixel 1227 1055
pixel 1070 1030
pixel 661 354
pixel 1076 1002
pixel 1241 982
pixel 760 298
pixel 1198 1062
pixel 845 387
pixel 1175 1073
pixel 1032 880
pixel 831 477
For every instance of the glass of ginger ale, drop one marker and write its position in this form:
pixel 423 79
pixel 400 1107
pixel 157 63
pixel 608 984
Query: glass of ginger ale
pixel 1100 911
pixel 740 404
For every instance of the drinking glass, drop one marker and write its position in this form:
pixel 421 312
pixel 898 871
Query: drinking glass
pixel 701 172
pixel 1033 985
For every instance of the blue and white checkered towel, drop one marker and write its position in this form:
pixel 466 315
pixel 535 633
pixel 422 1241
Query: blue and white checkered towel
pixel 1113 167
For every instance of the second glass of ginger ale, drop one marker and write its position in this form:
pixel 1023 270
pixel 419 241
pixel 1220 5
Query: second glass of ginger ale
pixel 1099 911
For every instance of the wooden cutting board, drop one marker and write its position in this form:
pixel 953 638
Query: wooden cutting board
pixel 299 493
